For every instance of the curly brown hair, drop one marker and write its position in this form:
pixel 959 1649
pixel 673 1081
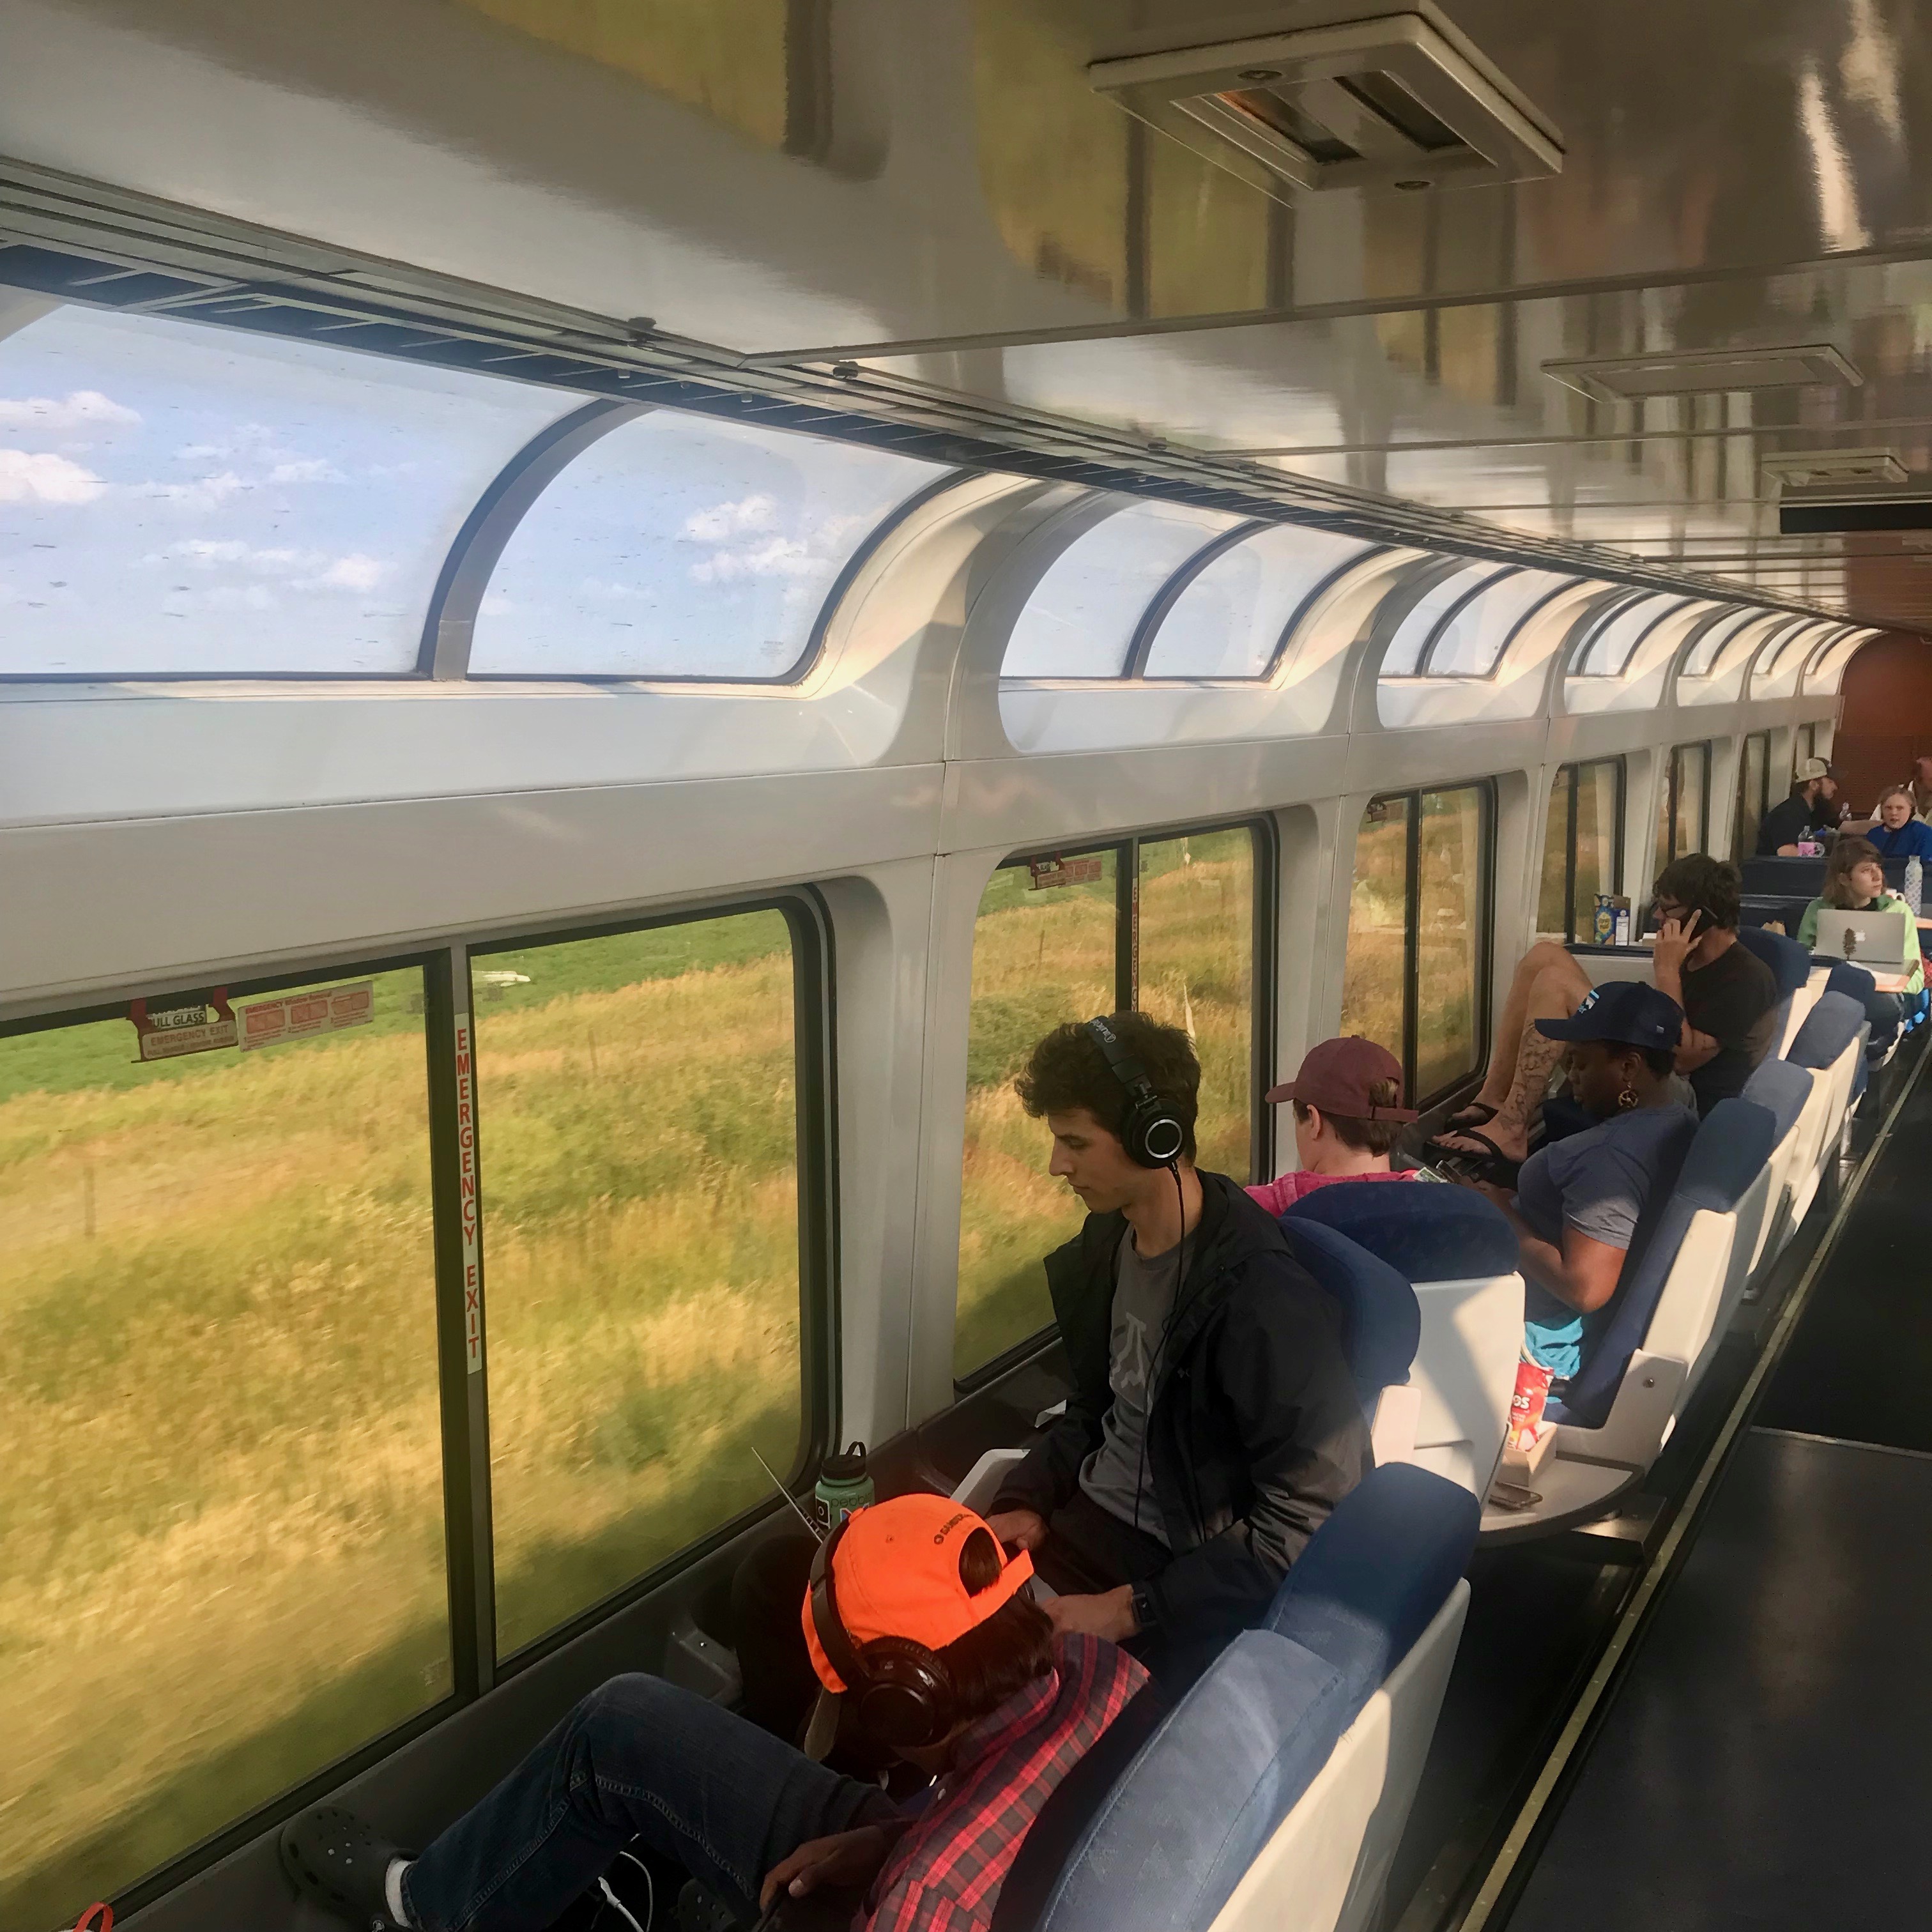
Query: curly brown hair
pixel 1067 1071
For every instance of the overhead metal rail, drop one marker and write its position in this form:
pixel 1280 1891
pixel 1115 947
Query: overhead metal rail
pixel 78 240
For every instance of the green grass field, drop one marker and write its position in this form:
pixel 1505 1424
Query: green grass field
pixel 221 1559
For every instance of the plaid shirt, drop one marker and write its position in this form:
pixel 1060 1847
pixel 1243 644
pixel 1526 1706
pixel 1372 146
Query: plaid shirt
pixel 945 1873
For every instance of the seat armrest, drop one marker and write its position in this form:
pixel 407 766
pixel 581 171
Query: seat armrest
pixel 983 1479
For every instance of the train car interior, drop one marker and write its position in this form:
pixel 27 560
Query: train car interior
pixel 1393 522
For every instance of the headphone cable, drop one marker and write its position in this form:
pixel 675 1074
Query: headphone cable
pixel 1160 1347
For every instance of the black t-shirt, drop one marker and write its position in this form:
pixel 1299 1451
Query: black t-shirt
pixel 1785 824
pixel 1731 999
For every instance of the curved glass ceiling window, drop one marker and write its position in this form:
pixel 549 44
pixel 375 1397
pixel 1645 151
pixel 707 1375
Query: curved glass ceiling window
pixel 1613 641
pixel 180 500
pixel 1230 619
pixel 1795 645
pixel 1702 658
pixel 1080 620
pixel 1471 640
pixel 1403 657
pixel 682 546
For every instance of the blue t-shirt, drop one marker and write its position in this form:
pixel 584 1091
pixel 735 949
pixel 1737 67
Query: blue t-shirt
pixel 1912 840
pixel 1597 1182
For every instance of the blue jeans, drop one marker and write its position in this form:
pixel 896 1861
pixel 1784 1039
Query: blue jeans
pixel 637 1758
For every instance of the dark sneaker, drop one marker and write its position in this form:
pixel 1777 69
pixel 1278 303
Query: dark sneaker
pixel 338 1862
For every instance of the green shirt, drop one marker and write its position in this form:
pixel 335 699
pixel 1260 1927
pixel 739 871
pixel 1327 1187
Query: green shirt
pixel 1914 964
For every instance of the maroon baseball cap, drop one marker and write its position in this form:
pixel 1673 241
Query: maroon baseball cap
pixel 1337 1077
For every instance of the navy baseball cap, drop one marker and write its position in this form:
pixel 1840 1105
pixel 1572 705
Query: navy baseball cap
pixel 1625 1011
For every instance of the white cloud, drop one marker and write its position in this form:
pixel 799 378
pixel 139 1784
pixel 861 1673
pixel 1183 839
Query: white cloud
pixel 206 493
pixel 81 409
pixel 783 556
pixel 300 569
pixel 355 572
pixel 729 519
pixel 27 478
pixel 306 470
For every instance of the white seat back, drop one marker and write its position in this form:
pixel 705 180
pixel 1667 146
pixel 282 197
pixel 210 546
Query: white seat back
pixel 1802 1001
pixel 1327 1866
pixel 1465 1375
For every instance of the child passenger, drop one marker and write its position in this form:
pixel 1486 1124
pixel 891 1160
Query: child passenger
pixel 1347 1100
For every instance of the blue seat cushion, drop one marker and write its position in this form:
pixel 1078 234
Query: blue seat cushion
pixel 1829 1027
pixel 1782 1089
pixel 1424 1231
pixel 1181 1828
pixel 1790 963
pixel 1381 1321
pixel 1345 1601
pixel 1728 1152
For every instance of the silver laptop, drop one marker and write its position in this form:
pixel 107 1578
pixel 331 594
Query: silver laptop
pixel 1875 939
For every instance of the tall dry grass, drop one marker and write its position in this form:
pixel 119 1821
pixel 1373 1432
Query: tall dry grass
pixel 221 1547
pixel 1042 958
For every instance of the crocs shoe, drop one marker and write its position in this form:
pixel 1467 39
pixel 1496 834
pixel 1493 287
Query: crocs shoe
pixel 336 1862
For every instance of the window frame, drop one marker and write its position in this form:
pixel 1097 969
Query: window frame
pixel 439 1072
pixel 1673 783
pixel 1762 801
pixel 1262 1018
pixel 1574 772
pixel 808 924
pixel 1425 663
pixel 463 1415
pixel 1412 798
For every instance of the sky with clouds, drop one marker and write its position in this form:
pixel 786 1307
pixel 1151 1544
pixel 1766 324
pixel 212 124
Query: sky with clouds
pixel 179 498
pixel 680 545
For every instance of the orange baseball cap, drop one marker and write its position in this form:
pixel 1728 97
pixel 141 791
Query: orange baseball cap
pixel 895 1573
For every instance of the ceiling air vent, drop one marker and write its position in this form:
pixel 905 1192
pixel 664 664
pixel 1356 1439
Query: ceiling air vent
pixel 1805 469
pixel 1697 372
pixel 1398 101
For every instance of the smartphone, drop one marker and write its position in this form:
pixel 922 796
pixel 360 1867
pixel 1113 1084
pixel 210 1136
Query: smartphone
pixel 1513 1496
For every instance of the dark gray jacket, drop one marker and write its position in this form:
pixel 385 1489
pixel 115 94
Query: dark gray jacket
pixel 1254 1431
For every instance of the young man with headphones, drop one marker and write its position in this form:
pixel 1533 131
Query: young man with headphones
pixel 1213 1423
pixel 915 1618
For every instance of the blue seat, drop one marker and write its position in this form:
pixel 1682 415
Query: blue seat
pixel 1830 1027
pixel 1381 1321
pixel 1790 966
pixel 1782 1089
pixel 1712 1168
pixel 1199 1805
pixel 1425 1232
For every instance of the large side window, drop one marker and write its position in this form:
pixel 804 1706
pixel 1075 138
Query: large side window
pixel 639 1137
pixel 1583 847
pixel 1683 811
pixel 1753 801
pixel 222 1562
pixel 1415 977
pixel 1167 925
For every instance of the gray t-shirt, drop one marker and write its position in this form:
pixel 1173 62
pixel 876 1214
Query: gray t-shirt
pixel 1116 1473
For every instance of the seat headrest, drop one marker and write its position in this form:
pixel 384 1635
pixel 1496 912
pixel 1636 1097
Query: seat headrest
pixel 1782 1089
pixel 1790 963
pixel 1182 1825
pixel 1721 1159
pixel 1376 1572
pixel 1829 1027
pixel 1854 982
pixel 1381 1321
pixel 1425 1232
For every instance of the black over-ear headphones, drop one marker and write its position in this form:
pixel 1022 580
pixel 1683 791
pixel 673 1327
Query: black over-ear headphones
pixel 903 1695
pixel 1149 1131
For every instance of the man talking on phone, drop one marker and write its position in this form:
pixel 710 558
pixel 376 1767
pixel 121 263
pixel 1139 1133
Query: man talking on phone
pixel 1727 993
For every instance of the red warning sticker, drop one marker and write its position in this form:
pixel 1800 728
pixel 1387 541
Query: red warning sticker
pixel 187 1023
pixel 299 1015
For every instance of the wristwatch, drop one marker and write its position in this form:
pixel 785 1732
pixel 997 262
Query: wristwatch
pixel 1145 1613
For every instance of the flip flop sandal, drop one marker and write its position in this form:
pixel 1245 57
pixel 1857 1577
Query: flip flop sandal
pixel 1494 1166
pixel 1476 1113
pixel 338 1862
